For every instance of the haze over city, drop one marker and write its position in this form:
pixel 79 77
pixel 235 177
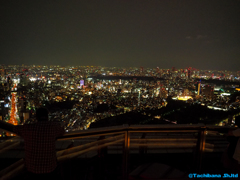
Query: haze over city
pixel 202 34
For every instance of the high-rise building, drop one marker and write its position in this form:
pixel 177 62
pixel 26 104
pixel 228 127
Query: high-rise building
pixel 208 91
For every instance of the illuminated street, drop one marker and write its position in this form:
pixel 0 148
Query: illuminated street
pixel 13 113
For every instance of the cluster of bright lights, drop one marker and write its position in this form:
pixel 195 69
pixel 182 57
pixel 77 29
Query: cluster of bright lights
pixel 184 98
pixel 32 79
pixel 216 108
pixel 225 94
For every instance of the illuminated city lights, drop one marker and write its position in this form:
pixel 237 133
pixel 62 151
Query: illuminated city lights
pixel 94 97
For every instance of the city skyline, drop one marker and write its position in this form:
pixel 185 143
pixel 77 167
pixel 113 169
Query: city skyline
pixel 200 34
pixel 98 91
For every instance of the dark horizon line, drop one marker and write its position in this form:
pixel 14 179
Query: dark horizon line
pixel 18 64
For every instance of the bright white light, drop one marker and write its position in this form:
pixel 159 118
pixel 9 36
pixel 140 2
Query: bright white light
pixel 225 94
pixel 32 79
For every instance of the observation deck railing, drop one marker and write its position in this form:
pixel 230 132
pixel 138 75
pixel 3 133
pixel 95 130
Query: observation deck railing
pixel 128 140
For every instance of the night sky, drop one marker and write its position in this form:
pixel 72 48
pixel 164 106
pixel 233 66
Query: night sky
pixel 204 34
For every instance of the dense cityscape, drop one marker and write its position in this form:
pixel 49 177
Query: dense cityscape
pixel 84 97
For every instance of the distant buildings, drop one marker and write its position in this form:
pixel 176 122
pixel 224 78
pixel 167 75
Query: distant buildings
pixel 73 93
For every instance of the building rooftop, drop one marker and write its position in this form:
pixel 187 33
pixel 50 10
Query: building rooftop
pixel 129 152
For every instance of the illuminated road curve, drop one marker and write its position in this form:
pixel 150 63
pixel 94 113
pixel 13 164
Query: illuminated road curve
pixel 13 113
